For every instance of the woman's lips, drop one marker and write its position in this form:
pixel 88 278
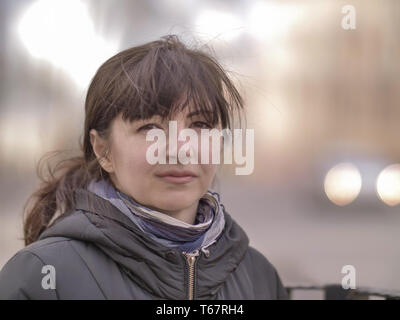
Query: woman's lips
pixel 177 176
pixel 178 179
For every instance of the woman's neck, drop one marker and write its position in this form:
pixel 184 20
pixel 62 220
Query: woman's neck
pixel 187 215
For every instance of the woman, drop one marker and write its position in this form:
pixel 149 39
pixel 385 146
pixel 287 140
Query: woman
pixel 110 225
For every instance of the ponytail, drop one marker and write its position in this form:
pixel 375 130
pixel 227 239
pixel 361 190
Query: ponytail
pixel 55 196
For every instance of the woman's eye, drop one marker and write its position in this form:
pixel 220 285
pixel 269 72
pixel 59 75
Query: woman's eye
pixel 148 127
pixel 202 125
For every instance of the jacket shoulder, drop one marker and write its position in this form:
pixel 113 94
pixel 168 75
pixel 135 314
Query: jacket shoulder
pixel 27 274
pixel 265 275
pixel 21 277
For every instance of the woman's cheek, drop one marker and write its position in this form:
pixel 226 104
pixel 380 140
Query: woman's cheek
pixel 208 171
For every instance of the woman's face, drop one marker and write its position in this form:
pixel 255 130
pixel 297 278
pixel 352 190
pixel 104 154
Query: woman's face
pixel 152 185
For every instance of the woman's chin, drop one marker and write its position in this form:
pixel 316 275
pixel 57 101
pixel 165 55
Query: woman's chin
pixel 171 203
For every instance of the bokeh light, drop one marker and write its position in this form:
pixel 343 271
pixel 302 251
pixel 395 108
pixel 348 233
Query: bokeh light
pixel 62 33
pixel 342 183
pixel 388 185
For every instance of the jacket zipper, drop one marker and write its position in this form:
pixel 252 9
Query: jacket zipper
pixel 191 259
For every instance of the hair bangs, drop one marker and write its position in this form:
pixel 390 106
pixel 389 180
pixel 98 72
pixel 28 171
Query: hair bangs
pixel 169 78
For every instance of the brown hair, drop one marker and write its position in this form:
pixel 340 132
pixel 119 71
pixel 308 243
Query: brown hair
pixel 139 82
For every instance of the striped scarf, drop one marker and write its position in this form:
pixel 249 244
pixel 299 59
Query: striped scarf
pixel 165 229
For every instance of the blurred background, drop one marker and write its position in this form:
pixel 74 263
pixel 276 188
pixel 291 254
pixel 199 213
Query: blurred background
pixel 323 101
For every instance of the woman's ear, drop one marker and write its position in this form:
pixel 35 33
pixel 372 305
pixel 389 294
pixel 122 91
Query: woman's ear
pixel 100 146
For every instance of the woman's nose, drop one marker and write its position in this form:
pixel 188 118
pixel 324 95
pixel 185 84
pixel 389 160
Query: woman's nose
pixel 179 142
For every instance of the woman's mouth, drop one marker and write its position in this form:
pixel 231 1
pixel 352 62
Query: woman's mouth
pixel 177 177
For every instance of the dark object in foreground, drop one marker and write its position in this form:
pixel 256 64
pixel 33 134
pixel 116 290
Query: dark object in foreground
pixel 336 292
